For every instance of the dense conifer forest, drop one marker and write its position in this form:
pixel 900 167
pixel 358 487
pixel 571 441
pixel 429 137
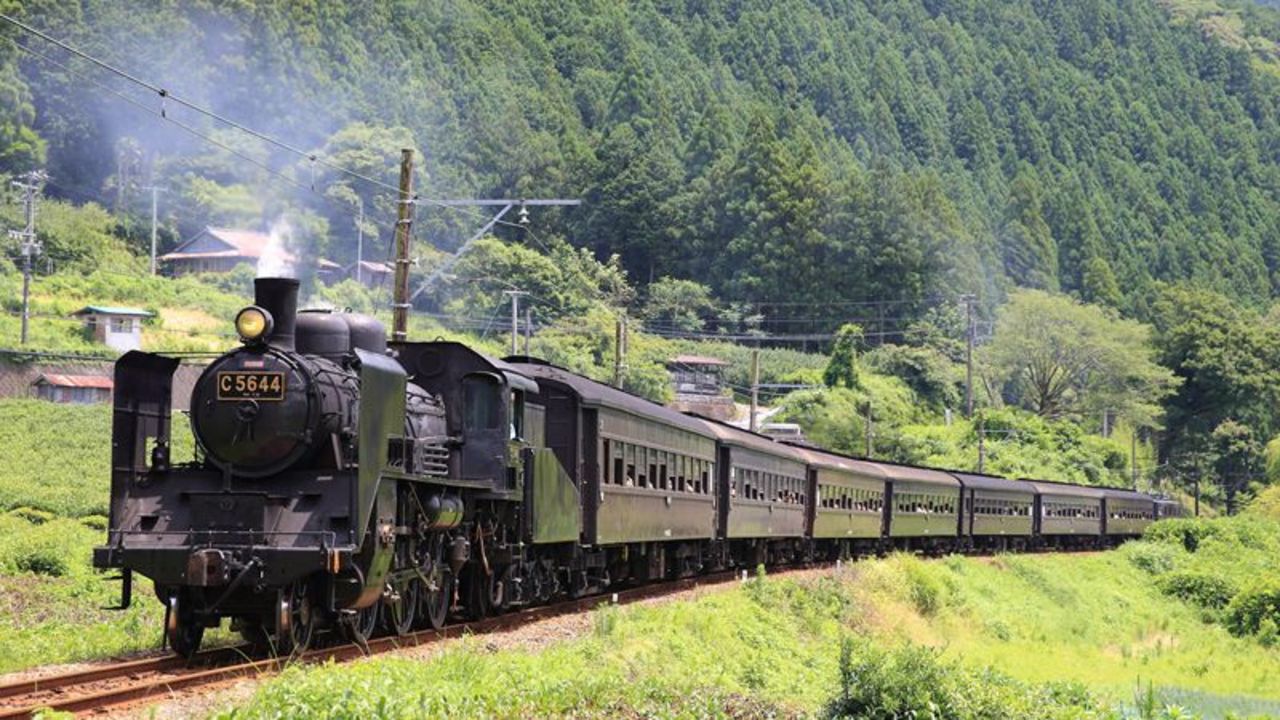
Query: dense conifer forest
pixel 796 151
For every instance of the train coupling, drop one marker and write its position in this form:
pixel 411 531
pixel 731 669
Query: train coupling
pixel 208 567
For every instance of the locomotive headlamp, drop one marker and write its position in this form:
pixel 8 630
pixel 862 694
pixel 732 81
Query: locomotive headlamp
pixel 253 324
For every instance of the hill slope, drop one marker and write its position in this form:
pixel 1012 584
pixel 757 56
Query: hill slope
pixel 797 151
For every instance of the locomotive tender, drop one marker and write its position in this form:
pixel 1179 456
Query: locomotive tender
pixel 341 482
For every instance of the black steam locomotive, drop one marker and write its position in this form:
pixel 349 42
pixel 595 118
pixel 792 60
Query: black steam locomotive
pixel 344 483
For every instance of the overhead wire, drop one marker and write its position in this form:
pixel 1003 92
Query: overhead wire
pixel 196 133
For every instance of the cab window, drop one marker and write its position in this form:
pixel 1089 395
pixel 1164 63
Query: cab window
pixel 483 401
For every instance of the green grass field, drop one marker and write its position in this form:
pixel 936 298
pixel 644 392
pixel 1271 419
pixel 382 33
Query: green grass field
pixel 1038 636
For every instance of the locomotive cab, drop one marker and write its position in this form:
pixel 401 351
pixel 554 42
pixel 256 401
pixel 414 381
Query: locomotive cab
pixel 487 410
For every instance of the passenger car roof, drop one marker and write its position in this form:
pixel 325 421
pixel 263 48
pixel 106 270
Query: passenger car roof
pixel 823 459
pixel 909 473
pixel 731 435
pixel 1045 487
pixel 594 394
pixel 992 482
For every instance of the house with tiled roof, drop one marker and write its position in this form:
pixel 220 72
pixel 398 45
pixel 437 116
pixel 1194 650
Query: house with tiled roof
pixel 219 250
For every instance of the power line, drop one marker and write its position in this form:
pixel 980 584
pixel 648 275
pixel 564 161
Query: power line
pixel 193 131
pixel 166 95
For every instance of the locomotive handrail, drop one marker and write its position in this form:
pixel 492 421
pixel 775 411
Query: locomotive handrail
pixel 328 537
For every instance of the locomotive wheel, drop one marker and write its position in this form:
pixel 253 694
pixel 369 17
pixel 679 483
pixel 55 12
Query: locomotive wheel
pixel 399 616
pixel 183 629
pixel 362 627
pixel 475 592
pixel 497 590
pixel 434 607
pixel 295 620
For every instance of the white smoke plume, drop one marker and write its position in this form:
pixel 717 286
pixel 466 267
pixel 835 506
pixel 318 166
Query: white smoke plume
pixel 278 259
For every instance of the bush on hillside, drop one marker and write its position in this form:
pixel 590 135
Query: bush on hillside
pixel 913 682
pixel 1256 610
pixel 1200 588
pixel 1187 532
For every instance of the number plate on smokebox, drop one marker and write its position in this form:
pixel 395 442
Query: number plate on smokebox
pixel 250 385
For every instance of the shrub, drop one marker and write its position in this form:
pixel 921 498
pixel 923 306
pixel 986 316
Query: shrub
pixel 1203 589
pixel 94 522
pixel 1255 609
pixel 1188 532
pixel 32 515
pixel 1155 558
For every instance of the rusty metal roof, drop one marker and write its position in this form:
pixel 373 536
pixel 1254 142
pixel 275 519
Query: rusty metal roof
pixel 75 381
pixel 698 360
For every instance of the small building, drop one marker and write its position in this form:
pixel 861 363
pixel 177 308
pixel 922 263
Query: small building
pixel 119 328
pixel 220 250
pixel 372 275
pixel 73 389
pixel 699 386
pixel 697 374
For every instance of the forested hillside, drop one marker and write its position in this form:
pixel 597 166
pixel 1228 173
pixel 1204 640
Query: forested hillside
pixel 790 151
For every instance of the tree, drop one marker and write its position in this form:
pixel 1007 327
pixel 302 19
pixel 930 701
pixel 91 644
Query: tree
pixel 1058 357
pixel 681 304
pixel 1228 361
pixel 842 369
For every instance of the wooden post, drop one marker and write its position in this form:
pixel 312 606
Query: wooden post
pixel 404 222
pixel 755 389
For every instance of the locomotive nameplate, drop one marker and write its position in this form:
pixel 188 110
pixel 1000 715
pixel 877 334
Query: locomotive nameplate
pixel 250 385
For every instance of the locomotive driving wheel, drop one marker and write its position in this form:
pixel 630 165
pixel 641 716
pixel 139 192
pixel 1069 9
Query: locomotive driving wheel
pixel 361 627
pixel 295 619
pixel 183 628
pixel 436 597
pixel 399 615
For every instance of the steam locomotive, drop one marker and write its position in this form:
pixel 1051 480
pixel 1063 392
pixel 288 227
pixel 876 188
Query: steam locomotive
pixel 341 482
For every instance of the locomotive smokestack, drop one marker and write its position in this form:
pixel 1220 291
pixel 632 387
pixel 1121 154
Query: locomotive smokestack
pixel 278 296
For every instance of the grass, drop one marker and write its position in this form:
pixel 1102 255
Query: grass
pixel 1013 636
pixel 54 485
pixel 52 602
pixel 57 458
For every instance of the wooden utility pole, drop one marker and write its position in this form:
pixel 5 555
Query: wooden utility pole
pixel 515 317
pixel 1133 454
pixel 982 443
pixel 870 432
pixel 968 355
pixel 620 351
pixel 528 328
pixel 404 223
pixel 752 424
pixel 155 201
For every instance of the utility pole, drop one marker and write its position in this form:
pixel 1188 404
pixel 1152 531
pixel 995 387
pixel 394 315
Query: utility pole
pixel 968 355
pixel 30 186
pixel 404 223
pixel 155 192
pixel 359 239
pixel 870 432
pixel 619 351
pixel 1133 455
pixel 528 328
pixel 982 443
pixel 755 389
pixel 515 317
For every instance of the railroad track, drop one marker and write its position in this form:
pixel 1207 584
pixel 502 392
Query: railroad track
pixel 137 681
